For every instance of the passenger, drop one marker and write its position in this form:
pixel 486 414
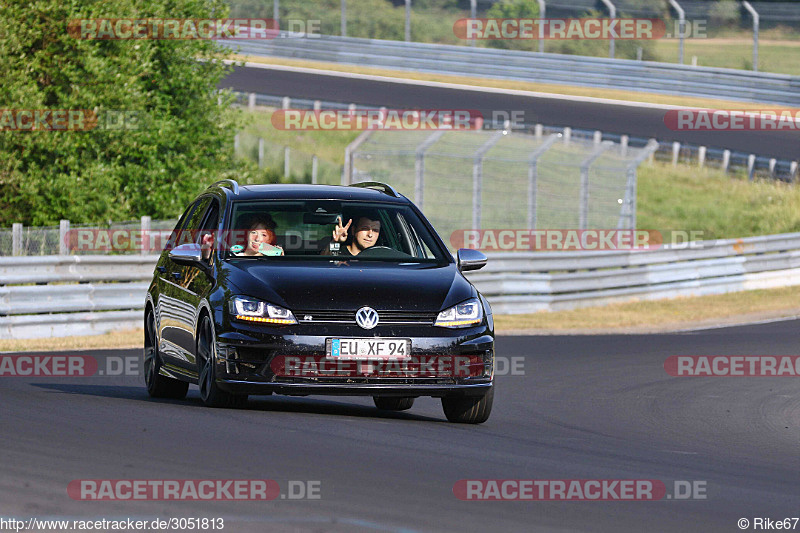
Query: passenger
pixel 366 232
pixel 261 238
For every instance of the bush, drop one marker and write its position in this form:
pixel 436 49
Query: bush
pixel 183 140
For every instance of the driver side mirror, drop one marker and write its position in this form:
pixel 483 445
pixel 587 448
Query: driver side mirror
pixel 469 259
pixel 190 254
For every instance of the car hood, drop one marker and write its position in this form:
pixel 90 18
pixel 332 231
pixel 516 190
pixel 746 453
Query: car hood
pixel 349 286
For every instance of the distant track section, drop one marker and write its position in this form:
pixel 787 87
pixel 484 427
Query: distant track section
pixel 635 119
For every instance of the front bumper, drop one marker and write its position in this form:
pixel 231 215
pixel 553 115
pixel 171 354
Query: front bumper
pixel 247 355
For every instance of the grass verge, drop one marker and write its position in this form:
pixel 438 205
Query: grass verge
pixel 662 315
pixel 114 340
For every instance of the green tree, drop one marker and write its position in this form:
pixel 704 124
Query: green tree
pixel 184 130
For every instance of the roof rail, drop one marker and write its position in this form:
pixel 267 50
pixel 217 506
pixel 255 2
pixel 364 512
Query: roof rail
pixel 227 183
pixel 384 188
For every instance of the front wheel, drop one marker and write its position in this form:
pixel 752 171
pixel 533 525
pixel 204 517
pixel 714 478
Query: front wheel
pixel 468 409
pixel 210 392
pixel 393 404
pixel 158 385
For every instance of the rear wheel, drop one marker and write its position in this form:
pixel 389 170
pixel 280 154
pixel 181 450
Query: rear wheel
pixel 468 409
pixel 158 386
pixel 210 392
pixel 393 404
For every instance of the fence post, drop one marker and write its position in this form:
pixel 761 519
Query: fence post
pixel 251 101
pixel 792 170
pixel 623 145
pixel 538 130
pixel 477 177
pixel 676 151
pixel 260 152
pixel 598 136
pixel 473 10
pixel 16 238
pixel 419 166
pixel 629 203
pixel 583 216
pixel 567 135
pixel 726 159
pixel 701 156
pixel 751 166
pixel 772 163
pixel 533 177
pixel 145 240
pixel 343 21
pixel 408 21
pixel 286 102
pixel 542 14
pixel 754 14
pixel 63 231
pixel 314 168
pixel 613 14
pixel 681 28
pixel 347 170
pixel 317 105
pixel 286 161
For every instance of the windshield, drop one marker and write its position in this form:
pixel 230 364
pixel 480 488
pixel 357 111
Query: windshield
pixel 322 230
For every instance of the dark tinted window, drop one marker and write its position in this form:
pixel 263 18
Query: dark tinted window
pixel 304 229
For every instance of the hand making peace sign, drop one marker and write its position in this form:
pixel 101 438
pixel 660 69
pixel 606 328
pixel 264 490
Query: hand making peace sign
pixel 340 232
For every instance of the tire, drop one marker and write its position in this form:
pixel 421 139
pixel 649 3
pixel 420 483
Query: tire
pixel 210 392
pixel 468 409
pixel 393 404
pixel 158 386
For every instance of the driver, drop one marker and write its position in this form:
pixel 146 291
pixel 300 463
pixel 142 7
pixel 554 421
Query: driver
pixel 365 233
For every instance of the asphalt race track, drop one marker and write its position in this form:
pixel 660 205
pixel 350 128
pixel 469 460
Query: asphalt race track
pixel 586 407
pixel 645 122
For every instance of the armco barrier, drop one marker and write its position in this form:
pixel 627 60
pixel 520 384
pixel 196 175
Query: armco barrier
pixel 649 76
pixel 85 295
pixel 58 296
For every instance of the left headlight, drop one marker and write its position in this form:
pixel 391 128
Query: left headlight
pixel 467 313
pixel 257 311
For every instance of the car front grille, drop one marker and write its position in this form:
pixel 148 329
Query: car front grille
pixel 389 318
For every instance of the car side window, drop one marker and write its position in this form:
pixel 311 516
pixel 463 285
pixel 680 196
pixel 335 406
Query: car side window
pixel 209 228
pixel 175 236
pixel 197 217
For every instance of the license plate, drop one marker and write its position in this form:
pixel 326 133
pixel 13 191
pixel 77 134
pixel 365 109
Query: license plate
pixel 368 348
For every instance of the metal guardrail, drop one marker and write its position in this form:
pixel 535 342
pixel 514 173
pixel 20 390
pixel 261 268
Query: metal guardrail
pixel 111 289
pixel 58 296
pixel 662 78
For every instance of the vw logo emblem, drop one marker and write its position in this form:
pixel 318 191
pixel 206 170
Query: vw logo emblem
pixel 367 317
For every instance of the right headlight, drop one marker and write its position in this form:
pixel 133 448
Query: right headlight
pixel 253 310
pixel 467 313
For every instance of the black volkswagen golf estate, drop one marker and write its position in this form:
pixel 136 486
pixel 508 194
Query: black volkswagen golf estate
pixel 272 289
